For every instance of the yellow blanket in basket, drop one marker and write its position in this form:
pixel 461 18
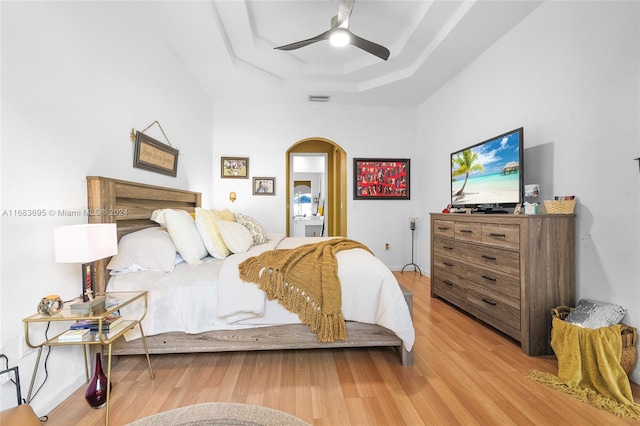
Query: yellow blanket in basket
pixel 590 358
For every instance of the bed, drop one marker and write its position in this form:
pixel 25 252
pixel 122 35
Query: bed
pixel 130 205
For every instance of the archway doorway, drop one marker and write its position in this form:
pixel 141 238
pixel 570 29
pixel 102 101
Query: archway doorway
pixel 335 199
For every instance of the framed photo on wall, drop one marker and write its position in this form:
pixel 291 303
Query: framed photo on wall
pixel 264 186
pixel 234 167
pixel 381 178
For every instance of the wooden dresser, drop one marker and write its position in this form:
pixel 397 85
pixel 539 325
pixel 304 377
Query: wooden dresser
pixel 506 270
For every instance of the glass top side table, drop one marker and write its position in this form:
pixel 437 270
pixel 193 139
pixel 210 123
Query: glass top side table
pixel 114 301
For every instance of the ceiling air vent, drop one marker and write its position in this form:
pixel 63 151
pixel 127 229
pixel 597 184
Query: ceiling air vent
pixel 319 98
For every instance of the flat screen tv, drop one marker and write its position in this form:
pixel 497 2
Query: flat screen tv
pixel 489 175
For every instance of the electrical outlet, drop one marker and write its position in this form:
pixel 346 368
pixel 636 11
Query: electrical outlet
pixel 386 246
pixel 24 349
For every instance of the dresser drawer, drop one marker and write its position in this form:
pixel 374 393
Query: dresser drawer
pixel 452 265
pixel 502 260
pixel 443 228
pixel 450 287
pixel 500 308
pixel 495 281
pixel 449 248
pixel 504 236
pixel 468 231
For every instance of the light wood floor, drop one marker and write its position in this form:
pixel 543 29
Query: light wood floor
pixel 465 374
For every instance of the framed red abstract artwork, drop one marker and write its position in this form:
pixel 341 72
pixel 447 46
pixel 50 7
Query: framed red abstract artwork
pixel 381 179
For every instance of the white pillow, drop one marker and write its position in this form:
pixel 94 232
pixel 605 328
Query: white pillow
pixel 147 249
pixel 257 231
pixel 235 236
pixel 158 217
pixel 183 232
pixel 207 225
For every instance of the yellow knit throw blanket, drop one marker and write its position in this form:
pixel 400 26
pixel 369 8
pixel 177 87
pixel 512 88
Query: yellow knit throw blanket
pixel 589 367
pixel 305 281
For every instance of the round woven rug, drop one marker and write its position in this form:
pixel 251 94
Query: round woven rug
pixel 221 413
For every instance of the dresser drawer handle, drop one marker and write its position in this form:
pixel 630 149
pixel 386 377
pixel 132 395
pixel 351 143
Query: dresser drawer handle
pixel 486 277
pixel 487 257
pixel 447 263
pixel 447 282
pixel 493 234
pixel 490 302
pixel 443 228
pixel 466 231
pixel 447 247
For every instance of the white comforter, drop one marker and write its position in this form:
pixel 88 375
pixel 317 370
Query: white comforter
pixel 211 296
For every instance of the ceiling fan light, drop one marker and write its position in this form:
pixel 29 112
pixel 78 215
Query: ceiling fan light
pixel 339 38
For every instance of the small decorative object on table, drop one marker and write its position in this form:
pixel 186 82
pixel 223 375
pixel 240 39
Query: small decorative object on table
pixel 96 393
pixel 50 305
pixel 532 190
pixel 530 208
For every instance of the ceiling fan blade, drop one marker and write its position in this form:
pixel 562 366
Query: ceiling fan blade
pixel 344 11
pixel 298 44
pixel 369 46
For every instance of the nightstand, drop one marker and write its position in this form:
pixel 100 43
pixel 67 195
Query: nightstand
pixel 114 301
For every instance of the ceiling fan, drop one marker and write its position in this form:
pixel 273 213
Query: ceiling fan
pixel 339 34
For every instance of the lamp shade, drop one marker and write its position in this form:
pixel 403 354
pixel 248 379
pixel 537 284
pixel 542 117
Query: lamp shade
pixel 85 243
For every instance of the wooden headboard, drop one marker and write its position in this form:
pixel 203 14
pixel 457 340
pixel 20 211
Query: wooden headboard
pixel 129 205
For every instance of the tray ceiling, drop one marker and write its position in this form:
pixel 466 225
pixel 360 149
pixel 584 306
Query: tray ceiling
pixel 228 46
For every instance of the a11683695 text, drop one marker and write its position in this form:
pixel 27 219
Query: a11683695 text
pixel 83 212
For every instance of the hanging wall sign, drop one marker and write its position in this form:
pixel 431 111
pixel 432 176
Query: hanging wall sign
pixel 153 155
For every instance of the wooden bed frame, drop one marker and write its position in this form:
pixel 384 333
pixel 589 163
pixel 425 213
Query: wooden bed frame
pixel 129 205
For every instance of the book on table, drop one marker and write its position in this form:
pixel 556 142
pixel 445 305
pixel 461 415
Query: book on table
pixel 113 331
pixel 118 328
pixel 78 335
pixel 92 324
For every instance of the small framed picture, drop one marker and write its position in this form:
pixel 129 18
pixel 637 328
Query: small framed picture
pixel 234 167
pixel 264 186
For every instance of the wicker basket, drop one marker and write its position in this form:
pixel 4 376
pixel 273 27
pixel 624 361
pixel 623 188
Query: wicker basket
pixel 629 339
pixel 559 206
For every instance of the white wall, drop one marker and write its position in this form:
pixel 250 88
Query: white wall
pixel 265 132
pixel 76 78
pixel 570 74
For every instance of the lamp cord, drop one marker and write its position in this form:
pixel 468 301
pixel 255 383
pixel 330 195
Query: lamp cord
pixel 46 370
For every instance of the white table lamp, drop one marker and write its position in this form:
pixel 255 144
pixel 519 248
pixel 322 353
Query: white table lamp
pixel 85 244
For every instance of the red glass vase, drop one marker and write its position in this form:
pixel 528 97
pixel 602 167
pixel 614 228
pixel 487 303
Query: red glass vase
pixel 96 393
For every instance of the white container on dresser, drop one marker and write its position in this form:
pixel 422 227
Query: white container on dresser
pixel 506 270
